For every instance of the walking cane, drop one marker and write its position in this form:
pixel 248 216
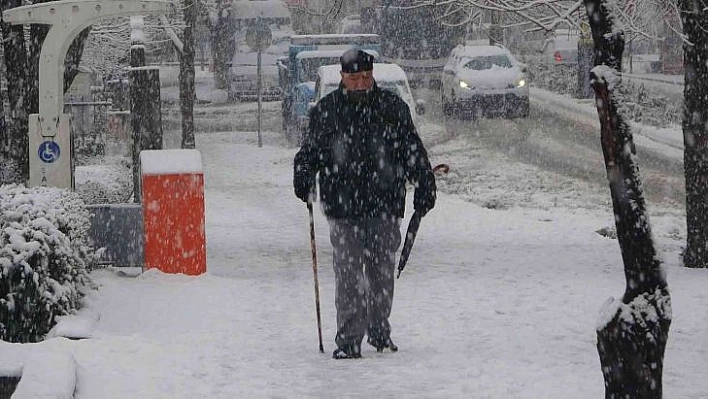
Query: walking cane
pixel 314 271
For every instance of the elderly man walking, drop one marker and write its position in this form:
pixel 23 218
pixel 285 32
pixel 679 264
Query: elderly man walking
pixel 363 145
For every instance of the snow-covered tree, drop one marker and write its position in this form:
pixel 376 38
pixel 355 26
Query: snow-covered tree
pixel 186 74
pixel 633 332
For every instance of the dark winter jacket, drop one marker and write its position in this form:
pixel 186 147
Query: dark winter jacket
pixel 364 154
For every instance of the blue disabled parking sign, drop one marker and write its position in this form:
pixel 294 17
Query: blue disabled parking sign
pixel 48 151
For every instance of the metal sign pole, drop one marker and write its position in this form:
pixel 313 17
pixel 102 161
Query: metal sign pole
pixel 258 38
pixel 260 138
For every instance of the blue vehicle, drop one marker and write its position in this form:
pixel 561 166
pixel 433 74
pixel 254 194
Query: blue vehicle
pixel 298 71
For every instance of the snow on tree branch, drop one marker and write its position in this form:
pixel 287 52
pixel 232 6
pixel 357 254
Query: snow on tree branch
pixel 637 18
pixel 609 75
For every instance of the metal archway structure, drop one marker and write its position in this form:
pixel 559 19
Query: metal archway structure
pixel 67 19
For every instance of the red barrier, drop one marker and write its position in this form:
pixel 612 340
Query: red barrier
pixel 173 211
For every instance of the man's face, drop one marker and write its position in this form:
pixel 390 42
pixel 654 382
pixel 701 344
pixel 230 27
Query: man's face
pixel 358 81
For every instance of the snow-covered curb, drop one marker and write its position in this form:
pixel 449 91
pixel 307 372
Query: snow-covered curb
pixel 47 369
pixel 676 80
pixel 667 141
pixel 78 326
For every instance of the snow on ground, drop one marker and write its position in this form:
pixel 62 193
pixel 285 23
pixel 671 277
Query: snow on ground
pixel 495 302
pixel 650 137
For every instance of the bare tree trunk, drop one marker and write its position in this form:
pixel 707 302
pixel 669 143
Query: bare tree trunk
pixel 496 32
pixel 585 64
pixel 186 75
pixel 17 123
pixel 222 45
pixel 632 338
pixel 695 136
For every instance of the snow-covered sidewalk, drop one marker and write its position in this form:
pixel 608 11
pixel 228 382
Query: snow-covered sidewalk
pixel 493 303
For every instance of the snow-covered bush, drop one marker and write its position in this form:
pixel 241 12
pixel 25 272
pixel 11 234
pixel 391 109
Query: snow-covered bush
pixel 651 107
pixel 562 79
pixel 641 104
pixel 45 257
pixel 105 180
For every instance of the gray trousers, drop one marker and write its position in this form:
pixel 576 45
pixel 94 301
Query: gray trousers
pixel 364 266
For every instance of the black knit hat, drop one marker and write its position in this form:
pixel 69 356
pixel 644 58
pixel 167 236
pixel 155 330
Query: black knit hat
pixel 356 60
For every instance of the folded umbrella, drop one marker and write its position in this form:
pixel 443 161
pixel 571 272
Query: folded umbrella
pixel 413 227
pixel 410 239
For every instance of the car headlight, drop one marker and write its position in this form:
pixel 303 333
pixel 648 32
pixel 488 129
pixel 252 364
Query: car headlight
pixel 464 85
pixel 521 82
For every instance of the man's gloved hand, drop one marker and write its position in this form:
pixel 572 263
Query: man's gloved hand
pixel 423 203
pixel 304 183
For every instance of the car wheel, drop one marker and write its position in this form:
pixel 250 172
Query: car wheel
pixel 446 108
pixel 453 109
pixel 474 113
pixel 525 112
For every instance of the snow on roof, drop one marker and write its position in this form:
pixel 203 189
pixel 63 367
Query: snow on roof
pixel 352 17
pixel 320 53
pixel 251 9
pixel 565 32
pixel 563 39
pixel 413 64
pixel 329 74
pixel 333 38
pixel 476 51
pixel 330 53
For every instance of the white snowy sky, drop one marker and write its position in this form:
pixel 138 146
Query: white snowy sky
pixel 493 303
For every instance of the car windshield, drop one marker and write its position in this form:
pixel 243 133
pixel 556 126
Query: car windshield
pixel 487 62
pixel 308 67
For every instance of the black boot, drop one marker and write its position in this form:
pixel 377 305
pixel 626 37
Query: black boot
pixel 381 344
pixel 352 351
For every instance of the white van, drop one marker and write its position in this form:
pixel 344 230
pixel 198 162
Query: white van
pixel 387 76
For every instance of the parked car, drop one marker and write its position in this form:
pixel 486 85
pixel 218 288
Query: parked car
pixel 387 76
pixel 561 48
pixel 484 81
